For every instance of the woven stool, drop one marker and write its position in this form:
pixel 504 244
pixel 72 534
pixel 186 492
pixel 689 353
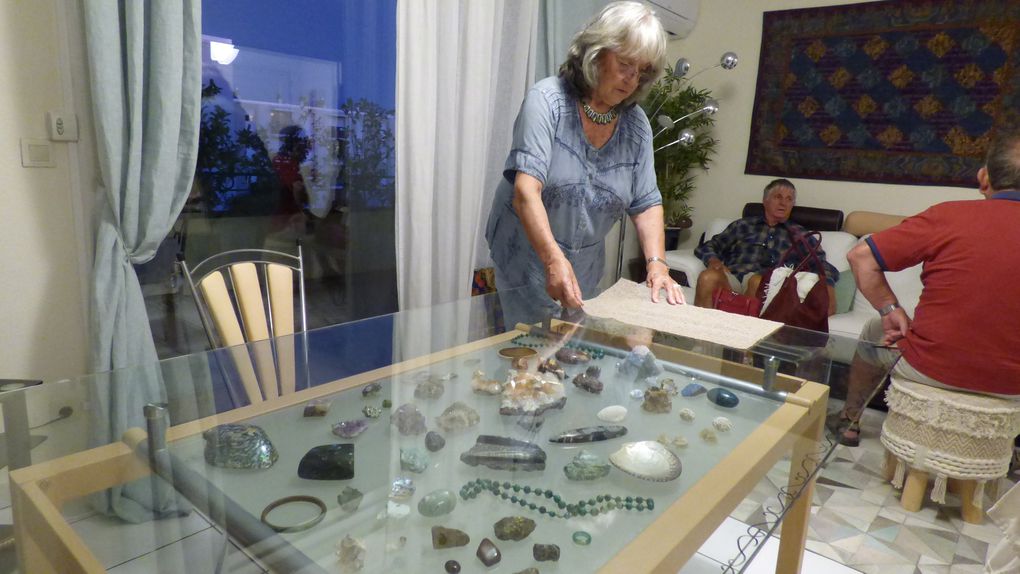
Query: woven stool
pixel 958 436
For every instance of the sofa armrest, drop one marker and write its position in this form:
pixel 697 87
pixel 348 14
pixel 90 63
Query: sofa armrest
pixel 684 261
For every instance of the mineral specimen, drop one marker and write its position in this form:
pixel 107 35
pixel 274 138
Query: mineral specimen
pixel 503 453
pixel 434 441
pixel 480 384
pixel 371 412
pixel 414 460
pixel 572 356
pixel 513 528
pixel 370 390
pixel 443 537
pixel 531 423
pixel 552 366
pixel 590 434
pixel 317 407
pixel 586 466
pixel 409 420
pixel 723 398
pixel 640 363
pixel 692 390
pixel 488 553
pixel 402 488
pixel 349 499
pixel 239 446
pixel 351 554
pixel 437 503
pixel 589 380
pixel 530 394
pixel 648 460
pixel 430 389
pixel 350 429
pixel 328 462
pixel 545 552
pixel 457 417
pixel 452 567
pixel 612 414
pixel 657 401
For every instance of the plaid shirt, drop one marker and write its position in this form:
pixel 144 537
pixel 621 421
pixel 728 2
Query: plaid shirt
pixel 749 245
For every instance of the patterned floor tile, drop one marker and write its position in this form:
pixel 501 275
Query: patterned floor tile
pixel 874 552
pixel 972 548
pixel 925 543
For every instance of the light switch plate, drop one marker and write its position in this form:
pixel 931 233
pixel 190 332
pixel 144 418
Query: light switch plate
pixel 62 126
pixel 36 153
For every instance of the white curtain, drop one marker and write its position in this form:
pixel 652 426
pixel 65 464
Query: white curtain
pixel 462 70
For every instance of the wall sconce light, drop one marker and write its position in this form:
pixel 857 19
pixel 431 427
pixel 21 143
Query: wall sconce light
pixel 222 52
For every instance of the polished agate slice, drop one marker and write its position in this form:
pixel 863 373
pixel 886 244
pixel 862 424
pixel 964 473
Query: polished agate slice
pixel 647 460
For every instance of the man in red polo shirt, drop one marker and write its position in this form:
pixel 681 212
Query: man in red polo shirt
pixel 965 333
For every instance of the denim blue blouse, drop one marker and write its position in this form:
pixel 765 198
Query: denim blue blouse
pixel 584 189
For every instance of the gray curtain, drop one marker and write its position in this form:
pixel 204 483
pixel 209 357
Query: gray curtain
pixel 144 63
pixel 558 21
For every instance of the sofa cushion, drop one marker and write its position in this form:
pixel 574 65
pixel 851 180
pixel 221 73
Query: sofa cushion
pixel 836 245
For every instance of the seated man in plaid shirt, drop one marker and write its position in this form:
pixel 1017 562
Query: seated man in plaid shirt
pixel 736 258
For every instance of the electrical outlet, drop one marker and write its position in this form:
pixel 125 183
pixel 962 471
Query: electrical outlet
pixel 62 126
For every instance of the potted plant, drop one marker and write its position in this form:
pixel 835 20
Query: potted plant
pixel 682 127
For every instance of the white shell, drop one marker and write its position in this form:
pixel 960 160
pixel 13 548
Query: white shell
pixel 648 460
pixel 722 424
pixel 613 414
pixel 687 414
pixel 708 435
pixel 679 441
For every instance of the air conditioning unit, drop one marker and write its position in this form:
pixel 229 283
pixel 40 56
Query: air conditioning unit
pixel 678 17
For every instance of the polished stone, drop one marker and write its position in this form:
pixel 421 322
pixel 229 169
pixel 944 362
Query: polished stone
pixel 546 552
pixel 443 537
pixel 502 453
pixel 581 538
pixel 513 527
pixel 434 441
pixel 328 462
pixel 452 567
pixel 350 429
pixel 241 446
pixel 586 465
pixel 409 420
pixel 612 414
pixel 693 390
pixel 457 417
pixel 414 460
pixel 437 503
pixel 350 499
pixel 589 380
pixel 488 553
pixel 657 401
pixel 723 398
pixel 590 434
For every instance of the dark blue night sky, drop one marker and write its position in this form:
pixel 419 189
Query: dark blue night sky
pixel 361 34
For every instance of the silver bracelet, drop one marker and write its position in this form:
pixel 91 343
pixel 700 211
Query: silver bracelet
pixel 654 258
pixel 304 525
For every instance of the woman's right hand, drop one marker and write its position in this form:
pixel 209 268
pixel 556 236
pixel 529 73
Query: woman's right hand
pixel 561 284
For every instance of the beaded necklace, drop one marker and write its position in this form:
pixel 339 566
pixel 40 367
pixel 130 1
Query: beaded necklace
pixel 599 118
pixel 593 352
pixel 516 493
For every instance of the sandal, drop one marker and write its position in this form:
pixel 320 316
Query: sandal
pixel 846 431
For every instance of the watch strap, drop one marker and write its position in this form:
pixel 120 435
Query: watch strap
pixel 888 309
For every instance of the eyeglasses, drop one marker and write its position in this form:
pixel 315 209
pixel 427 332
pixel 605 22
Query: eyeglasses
pixel 629 69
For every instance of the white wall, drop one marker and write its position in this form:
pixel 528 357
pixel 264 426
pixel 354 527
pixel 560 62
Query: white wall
pixel 42 317
pixel 735 25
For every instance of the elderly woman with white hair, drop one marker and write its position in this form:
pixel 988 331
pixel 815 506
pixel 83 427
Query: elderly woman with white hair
pixel 581 157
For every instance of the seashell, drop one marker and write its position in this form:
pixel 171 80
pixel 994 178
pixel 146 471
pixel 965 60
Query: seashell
pixel 687 414
pixel 722 424
pixel 708 435
pixel 662 439
pixel 679 441
pixel 647 460
pixel 612 414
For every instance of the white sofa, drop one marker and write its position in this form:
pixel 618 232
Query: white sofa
pixel 906 284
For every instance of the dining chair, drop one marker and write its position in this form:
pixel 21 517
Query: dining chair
pixel 246 302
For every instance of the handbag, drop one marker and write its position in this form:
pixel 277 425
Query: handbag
pixel 732 302
pixel 786 305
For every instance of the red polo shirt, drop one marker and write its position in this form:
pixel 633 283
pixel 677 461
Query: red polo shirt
pixel 966 328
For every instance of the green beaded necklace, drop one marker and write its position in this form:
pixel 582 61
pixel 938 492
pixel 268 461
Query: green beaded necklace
pixel 593 352
pixel 516 494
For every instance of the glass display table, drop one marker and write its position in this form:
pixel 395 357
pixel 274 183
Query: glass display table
pixel 634 514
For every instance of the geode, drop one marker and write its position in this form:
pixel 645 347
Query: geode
pixel 502 453
pixel 513 528
pixel 328 462
pixel 409 420
pixel 589 380
pixel 456 417
pixel 242 446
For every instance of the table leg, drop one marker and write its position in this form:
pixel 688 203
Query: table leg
pixel 802 465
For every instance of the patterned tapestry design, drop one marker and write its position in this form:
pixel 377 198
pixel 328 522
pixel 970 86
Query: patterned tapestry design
pixel 894 92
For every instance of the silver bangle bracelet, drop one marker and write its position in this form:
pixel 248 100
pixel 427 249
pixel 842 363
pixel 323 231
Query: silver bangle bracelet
pixel 654 258
pixel 300 525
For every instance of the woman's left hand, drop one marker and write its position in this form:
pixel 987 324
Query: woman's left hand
pixel 661 280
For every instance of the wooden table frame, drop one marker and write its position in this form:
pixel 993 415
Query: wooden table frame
pixel 47 543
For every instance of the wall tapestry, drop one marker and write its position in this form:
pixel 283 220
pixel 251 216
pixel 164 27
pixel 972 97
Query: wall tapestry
pixel 901 91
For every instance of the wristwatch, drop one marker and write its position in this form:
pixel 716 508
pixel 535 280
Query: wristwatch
pixel 653 259
pixel 888 309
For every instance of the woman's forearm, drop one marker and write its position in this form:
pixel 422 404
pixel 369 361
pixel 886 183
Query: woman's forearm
pixel 651 233
pixel 527 202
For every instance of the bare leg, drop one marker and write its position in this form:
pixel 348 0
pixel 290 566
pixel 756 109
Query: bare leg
pixel 752 285
pixel 708 281
pixel 863 381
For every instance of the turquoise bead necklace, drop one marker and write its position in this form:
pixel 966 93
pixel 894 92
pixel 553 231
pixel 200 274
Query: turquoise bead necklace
pixel 557 506
pixel 593 352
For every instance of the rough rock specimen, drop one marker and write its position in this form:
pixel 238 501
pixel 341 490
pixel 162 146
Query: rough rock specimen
pixel 443 537
pixel 502 453
pixel 589 380
pixel 513 528
pixel 657 401
pixel 457 417
pixel 586 466
pixel 409 420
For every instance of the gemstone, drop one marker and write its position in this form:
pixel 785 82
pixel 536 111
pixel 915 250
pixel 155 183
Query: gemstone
pixel 723 398
pixel 457 417
pixel 443 537
pixel 414 460
pixel 590 434
pixel 317 407
pixel 613 414
pixel 434 441
pixel 581 538
pixel 692 390
pixel 546 552
pixel 370 390
pixel 402 488
pixel 239 446
pixel 430 389
pixel 328 462
pixel 371 412
pixel 552 366
pixel 572 356
pixel 530 394
pixel 722 424
pixel 350 429
pixel 502 453
pixel 351 554
pixel 514 528
pixel 387 403
pixel 349 499
pixel 589 380
pixel 686 414
pixel 586 466
pixel 437 503
pixel 409 420
pixel 451 567
pixel 480 384
pixel 488 553
pixel 647 460
pixel 657 401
